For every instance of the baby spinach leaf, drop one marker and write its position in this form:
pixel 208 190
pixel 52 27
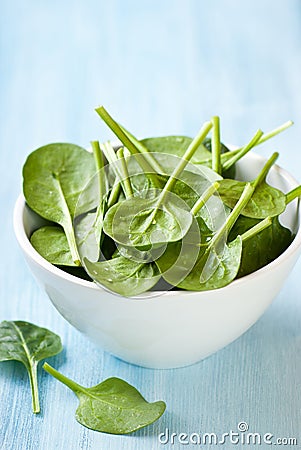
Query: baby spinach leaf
pixel 262 248
pixel 142 222
pixel 179 258
pixel 88 233
pixel 258 207
pixel 29 344
pixel 215 267
pixel 133 271
pixel 88 226
pixel 266 200
pixel 192 185
pixel 176 146
pixel 189 186
pixel 54 177
pixel 124 276
pixel 218 262
pixel 113 406
pixel 52 244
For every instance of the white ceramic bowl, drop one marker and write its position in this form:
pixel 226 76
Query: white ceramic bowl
pixel 176 328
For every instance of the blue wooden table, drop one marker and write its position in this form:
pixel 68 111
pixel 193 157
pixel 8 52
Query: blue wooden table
pixel 161 67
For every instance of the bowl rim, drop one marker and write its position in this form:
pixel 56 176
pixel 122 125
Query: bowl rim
pixel 30 251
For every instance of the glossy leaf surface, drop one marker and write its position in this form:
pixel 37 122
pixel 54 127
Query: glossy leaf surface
pixel 54 178
pixel 124 276
pixel 113 406
pixel 29 344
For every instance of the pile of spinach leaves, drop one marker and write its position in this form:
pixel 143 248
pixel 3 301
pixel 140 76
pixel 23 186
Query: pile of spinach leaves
pixel 157 209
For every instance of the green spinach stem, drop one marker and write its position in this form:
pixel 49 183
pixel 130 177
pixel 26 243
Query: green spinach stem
pixel 111 156
pixel 274 132
pixel 99 163
pixel 265 170
pixel 223 157
pixel 196 142
pixel 143 149
pixel 32 373
pixel 243 151
pixel 260 226
pixel 292 195
pixel 204 198
pixel 270 134
pixel 144 164
pixel 63 379
pixel 128 190
pixel 114 194
pixel 109 152
pixel 216 145
pixel 244 199
pixel 233 216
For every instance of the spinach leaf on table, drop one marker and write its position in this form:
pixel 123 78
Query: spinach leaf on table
pixel 29 344
pixel 54 178
pixel 113 406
